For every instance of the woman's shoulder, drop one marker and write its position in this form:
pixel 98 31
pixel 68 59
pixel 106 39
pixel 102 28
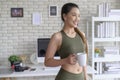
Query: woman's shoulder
pixel 57 36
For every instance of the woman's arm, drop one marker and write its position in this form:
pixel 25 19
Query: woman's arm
pixel 51 50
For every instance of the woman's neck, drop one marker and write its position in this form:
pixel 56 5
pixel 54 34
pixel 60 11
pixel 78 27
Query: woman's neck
pixel 68 30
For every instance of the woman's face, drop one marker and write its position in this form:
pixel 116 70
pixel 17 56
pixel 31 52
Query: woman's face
pixel 72 18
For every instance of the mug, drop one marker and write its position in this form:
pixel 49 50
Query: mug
pixel 82 59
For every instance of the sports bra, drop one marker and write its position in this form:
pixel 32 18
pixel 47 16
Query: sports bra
pixel 70 45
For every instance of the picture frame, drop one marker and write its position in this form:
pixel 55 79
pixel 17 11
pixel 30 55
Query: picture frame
pixel 53 10
pixel 16 12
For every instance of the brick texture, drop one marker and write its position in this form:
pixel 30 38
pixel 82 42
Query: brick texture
pixel 19 35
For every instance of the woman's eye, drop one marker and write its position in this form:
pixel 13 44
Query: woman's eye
pixel 73 15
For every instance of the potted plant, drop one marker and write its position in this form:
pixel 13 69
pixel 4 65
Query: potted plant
pixel 14 60
pixel 97 52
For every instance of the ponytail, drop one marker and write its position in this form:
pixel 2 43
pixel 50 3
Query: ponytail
pixel 84 40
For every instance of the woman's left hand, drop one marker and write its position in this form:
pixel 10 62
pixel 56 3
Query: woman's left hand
pixel 71 59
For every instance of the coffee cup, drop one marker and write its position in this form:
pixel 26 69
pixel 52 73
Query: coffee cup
pixel 81 58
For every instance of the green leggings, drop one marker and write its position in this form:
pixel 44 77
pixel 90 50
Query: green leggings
pixel 65 75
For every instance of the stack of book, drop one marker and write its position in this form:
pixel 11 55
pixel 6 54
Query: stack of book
pixel 112 67
pixel 110 51
pixel 99 67
pixel 106 30
pixel 114 13
pixel 103 10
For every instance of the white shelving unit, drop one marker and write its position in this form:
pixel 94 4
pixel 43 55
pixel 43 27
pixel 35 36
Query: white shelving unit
pixel 101 40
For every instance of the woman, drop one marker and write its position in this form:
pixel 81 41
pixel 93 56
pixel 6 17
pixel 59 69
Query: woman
pixel 67 43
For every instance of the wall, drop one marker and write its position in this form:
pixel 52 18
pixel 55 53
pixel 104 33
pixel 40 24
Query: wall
pixel 19 35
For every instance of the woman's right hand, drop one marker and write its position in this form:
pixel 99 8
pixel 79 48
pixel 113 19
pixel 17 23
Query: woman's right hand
pixel 71 59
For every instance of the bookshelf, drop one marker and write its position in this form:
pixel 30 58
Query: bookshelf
pixel 104 35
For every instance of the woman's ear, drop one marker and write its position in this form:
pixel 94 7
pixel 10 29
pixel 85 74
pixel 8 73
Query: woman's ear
pixel 64 17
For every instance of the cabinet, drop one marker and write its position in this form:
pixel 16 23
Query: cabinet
pixel 106 36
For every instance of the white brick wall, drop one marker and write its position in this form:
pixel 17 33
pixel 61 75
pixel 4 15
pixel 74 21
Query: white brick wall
pixel 18 35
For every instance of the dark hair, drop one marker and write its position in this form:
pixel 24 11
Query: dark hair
pixel 66 9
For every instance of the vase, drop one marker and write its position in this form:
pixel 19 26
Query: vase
pixel 96 54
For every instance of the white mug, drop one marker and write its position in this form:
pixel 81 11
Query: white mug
pixel 82 59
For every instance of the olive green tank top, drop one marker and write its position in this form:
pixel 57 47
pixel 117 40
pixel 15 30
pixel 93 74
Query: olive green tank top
pixel 70 45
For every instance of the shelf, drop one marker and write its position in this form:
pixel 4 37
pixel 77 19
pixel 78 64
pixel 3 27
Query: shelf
pixel 106 39
pixel 100 27
pixel 104 76
pixel 106 18
pixel 107 59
